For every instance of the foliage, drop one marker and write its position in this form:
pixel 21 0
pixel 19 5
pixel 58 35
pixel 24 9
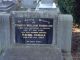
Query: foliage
pixel 66 6
pixel 70 7
pixel 77 11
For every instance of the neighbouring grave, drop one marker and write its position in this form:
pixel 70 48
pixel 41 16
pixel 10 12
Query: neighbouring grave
pixel 7 6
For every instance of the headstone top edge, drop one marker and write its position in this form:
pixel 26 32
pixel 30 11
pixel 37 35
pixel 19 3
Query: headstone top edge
pixel 35 14
pixel 4 14
pixel 50 12
pixel 65 17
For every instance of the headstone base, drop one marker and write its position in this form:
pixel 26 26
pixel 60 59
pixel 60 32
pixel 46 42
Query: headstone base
pixel 33 52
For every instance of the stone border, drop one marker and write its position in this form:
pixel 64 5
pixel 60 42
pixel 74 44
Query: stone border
pixel 35 14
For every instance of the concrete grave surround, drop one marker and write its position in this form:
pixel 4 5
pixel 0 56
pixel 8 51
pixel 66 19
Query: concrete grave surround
pixel 29 3
pixel 33 52
pixel 62 33
pixel 61 37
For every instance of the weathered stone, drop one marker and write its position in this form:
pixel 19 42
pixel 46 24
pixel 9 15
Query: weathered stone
pixel 33 52
pixel 47 1
pixel 4 30
pixel 7 6
pixel 64 32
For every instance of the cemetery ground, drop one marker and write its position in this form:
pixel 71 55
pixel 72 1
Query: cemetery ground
pixel 76 42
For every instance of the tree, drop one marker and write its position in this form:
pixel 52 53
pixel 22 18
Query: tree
pixel 70 7
pixel 77 11
pixel 66 6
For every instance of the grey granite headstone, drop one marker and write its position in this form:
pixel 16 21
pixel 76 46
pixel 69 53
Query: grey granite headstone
pixel 49 5
pixel 7 6
pixel 61 37
pixel 64 35
pixel 28 3
pixel 4 30
pixel 64 32
pixel 32 16
pixel 32 51
pixel 47 1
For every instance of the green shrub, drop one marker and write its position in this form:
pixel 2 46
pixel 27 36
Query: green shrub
pixel 66 6
pixel 70 7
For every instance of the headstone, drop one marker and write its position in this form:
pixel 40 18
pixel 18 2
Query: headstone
pixel 47 5
pixel 38 24
pixel 33 27
pixel 64 35
pixel 36 30
pixel 0 1
pixel 4 31
pixel 29 4
pixel 47 1
pixel 32 35
pixel 7 6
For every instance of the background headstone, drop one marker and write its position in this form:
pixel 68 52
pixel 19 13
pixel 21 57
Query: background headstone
pixel 47 1
pixel 28 3
pixel 64 32
pixel 4 30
